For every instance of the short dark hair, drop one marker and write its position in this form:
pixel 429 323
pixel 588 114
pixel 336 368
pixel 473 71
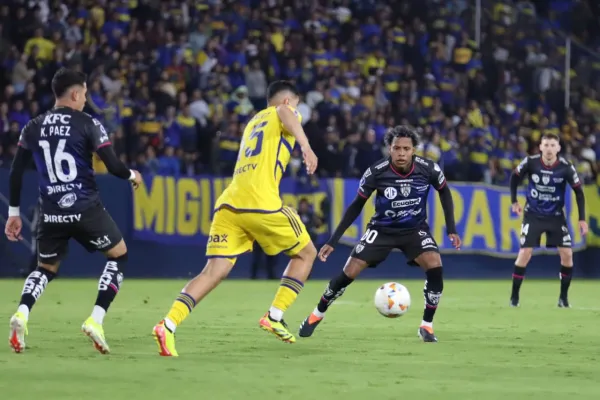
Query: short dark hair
pixel 281 86
pixel 549 135
pixel 401 131
pixel 66 78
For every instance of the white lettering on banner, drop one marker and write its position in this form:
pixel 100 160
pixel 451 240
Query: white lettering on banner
pixel 62 219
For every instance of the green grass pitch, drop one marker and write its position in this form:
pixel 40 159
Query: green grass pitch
pixel 487 350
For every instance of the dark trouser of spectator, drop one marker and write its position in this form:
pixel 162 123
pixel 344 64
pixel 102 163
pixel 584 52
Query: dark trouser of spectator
pixel 259 258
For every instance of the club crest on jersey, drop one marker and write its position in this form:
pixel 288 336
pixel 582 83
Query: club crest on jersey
pixel 405 189
pixel 359 248
pixel 390 193
pixel 545 179
pixel 67 200
pixel 535 178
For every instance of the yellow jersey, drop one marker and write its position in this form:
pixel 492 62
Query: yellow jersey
pixel 264 154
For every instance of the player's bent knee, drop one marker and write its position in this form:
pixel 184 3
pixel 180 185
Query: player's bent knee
pixel 217 268
pixel 308 253
pixel 524 256
pixel 121 261
pixel 354 267
pixel 117 251
pixel 566 256
pixel 429 260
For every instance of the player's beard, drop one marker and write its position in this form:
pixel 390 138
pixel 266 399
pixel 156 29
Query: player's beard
pixel 402 168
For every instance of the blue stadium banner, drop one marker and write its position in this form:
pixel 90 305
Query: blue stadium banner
pixel 179 210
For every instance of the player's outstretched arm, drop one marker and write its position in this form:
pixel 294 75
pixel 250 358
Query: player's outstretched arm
pixel 15 181
pixel 350 215
pixel 292 125
pixel 106 152
pixel 115 166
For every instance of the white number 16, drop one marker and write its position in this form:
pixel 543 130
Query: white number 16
pixel 54 165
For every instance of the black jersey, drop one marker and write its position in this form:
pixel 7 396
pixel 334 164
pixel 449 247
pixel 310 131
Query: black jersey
pixel 547 184
pixel 401 199
pixel 62 142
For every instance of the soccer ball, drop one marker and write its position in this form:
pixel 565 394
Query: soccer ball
pixel 392 300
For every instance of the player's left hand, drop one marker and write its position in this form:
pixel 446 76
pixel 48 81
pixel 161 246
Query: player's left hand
pixel 310 160
pixel 325 251
pixel 13 229
pixel 455 240
pixel 137 180
pixel 583 227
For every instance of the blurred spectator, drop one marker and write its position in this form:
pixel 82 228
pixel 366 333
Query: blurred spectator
pixel 177 81
pixel 309 218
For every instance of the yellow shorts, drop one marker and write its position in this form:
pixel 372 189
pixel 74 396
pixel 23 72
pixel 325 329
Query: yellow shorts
pixel 233 233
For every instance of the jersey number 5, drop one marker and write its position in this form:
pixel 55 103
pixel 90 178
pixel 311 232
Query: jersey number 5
pixel 54 165
pixel 257 133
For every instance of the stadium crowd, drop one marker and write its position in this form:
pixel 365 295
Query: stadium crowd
pixel 176 80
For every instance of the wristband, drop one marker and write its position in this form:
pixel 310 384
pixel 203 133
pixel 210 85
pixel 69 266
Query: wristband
pixel 132 176
pixel 14 212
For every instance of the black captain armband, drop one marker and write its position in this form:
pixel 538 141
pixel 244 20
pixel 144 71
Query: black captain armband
pixel 113 164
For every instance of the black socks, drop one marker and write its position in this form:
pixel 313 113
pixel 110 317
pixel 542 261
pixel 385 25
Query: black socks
pixel 335 289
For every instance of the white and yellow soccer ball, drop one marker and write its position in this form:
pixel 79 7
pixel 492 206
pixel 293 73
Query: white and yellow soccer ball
pixel 392 300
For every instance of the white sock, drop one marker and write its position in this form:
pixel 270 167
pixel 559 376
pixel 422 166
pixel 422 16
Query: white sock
pixel 318 313
pixel 98 314
pixel 23 309
pixel 427 324
pixel 275 313
pixel 170 325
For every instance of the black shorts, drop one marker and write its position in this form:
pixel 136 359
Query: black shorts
pixel 555 228
pixel 93 228
pixel 377 243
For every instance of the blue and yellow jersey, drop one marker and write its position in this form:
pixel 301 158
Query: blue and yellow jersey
pixel 149 124
pixel 264 154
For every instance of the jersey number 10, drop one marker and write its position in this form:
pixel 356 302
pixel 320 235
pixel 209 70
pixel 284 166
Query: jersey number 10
pixel 257 133
pixel 54 165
